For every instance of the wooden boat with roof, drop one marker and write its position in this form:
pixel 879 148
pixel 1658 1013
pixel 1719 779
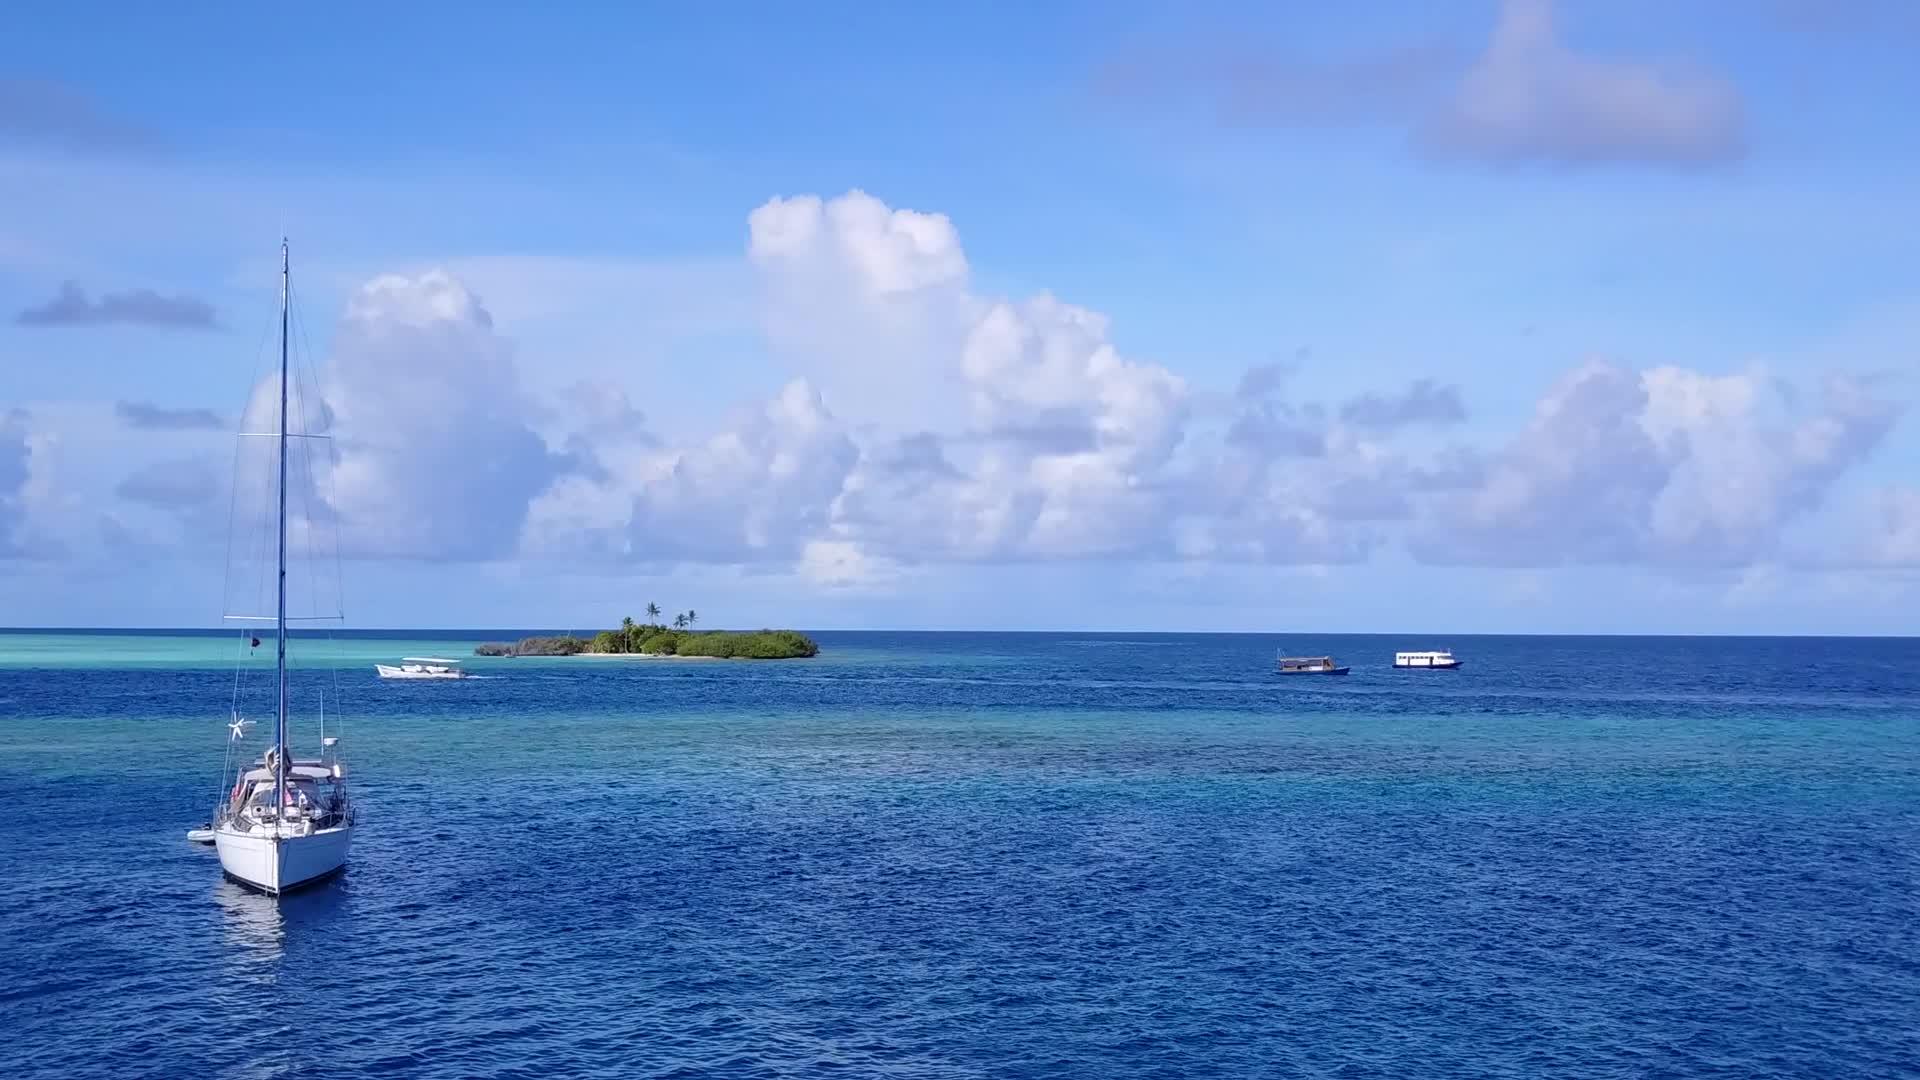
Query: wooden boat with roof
pixel 1309 665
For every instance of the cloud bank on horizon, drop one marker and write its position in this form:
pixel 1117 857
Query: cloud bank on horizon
pixel 1049 443
pixel 920 418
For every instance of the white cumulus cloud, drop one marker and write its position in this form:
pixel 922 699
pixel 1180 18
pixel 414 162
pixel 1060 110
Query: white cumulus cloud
pixel 759 490
pixel 1056 435
pixel 933 422
pixel 1050 442
pixel 756 491
pixel 438 454
pixel 1060 446
pixel 865 300
pixel 435 453
pixel 1665 466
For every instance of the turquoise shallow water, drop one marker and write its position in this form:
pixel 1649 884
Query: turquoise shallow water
pixel 975 855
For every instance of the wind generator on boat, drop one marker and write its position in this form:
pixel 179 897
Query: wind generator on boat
pixel 287 821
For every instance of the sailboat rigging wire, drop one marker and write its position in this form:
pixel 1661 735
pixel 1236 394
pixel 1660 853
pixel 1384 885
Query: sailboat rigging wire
pixel 242 649
pixel 233 490
pixel 332 497
pixel 233 713
pixel 310 389
pixel 262 534
pixel 305 389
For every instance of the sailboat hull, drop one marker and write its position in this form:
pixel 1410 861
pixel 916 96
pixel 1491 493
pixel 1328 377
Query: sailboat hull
pixel 283 864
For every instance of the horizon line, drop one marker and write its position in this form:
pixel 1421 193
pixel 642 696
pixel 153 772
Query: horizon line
pixel 547 631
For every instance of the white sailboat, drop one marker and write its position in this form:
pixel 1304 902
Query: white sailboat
pixel 287 822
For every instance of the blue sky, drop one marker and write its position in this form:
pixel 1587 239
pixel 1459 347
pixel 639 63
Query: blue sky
pixel 1517 316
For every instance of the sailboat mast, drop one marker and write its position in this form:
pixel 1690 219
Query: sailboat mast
pixel 280 618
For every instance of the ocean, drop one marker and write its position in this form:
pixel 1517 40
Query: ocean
pixel 982 855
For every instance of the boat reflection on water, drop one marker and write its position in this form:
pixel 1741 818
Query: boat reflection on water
pixel 261 928
pixel 252 923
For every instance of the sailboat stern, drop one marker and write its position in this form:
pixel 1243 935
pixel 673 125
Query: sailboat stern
pixel 280 864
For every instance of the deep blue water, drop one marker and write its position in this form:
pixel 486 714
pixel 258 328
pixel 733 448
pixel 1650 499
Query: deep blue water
pixel 979 855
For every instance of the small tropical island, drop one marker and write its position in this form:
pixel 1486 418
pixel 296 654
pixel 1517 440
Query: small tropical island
pixel 655 638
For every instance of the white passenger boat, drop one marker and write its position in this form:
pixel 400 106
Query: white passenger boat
pixel 422 667
pixel 1437 659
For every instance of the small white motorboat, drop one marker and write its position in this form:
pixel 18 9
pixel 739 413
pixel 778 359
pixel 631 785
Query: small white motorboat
pixel 422 667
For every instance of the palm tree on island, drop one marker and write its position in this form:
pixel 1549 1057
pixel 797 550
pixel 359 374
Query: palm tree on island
pixel 653 612
pixel 691 617
pixel 679 622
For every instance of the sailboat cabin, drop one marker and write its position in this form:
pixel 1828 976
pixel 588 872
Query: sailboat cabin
pixel 314 791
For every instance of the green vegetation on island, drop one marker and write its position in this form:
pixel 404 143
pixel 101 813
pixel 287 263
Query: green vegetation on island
pixel 655 638
pixel 564 645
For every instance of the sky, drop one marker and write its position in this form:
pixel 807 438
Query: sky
pixel 1588 316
